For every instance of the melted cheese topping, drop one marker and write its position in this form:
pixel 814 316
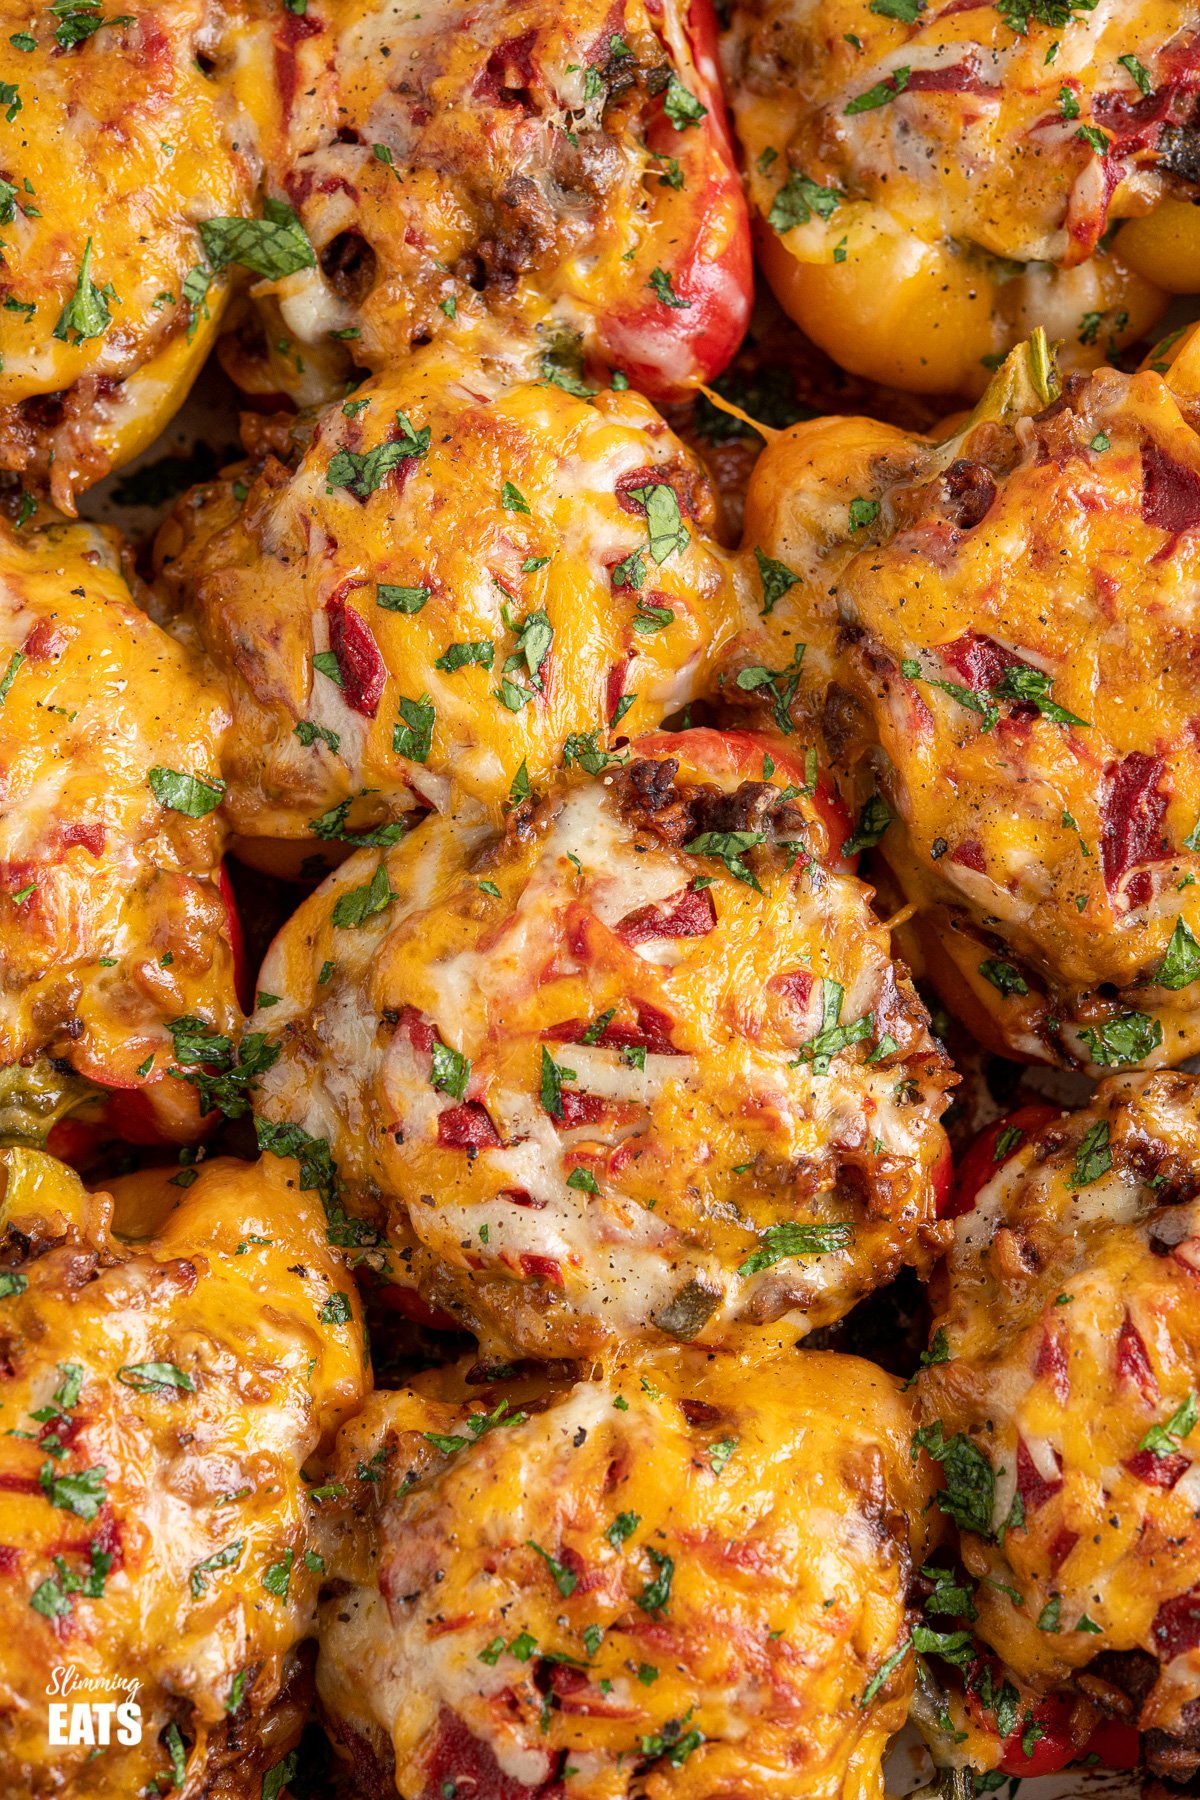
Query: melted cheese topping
pixel 163 1396
pixel 771 1500
pixel 112 919
pixel 518 508
pixel 1047 840
pixel 961 175
pixel 524 165
pixel 129 167
pixel 1071 1316
pixel 641 1191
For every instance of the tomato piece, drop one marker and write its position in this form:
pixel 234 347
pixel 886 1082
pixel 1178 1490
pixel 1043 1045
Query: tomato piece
pixel 1157 1471
pixel 1119 1746
pixel 1176 1627
pixel 1056 1746
pixel 980 1162
pixel 1133 811
pixel 1053 1750
pixel 741 753
pixel 457 1762
pixel 667 345
pixel 132 1116
pixel 683 915
pixel 541 1268
pixel 979 661
pixel 1036 1491
pixel 1170 491
pixel 1133 1361
pixel 360 663
pixel 467 1127
pixel 1116 1744
pixel 73 1141
pixel 951 962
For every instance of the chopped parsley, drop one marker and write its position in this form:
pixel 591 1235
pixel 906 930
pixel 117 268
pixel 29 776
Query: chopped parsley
pixel 308 733
pixel 520 789
pixel 194 295
pixel 192 795
pixel 362 472
pixel 460 656
pixel 332 827
pixel 661 285
pixel 79 20
pixel 224 1078
pixel 779 685
pixel 672 1741
pixel 565 1580
pixel 1141 77
pixel 450 1071
pixel 1093 1156
pixel 1034 687
pixel 885 1669
pixel 401 599
pixel 798 199
pixel 681 105
pixel 10 674
pixel 881 93
pixel 776 579
pixel 1129 1038
pixel 873 821
pixel 82 1493
pixel 361 903
pixel 622 1527
pixel 1094 138
pixel 86 314
pixel 969 1494
pixel 583 748
pixel 476 1425
pixel 277 1577
pixel 1164 1440
pixel 779 1243
pixel 951 1595
pixel 51 1597
pixel 271 247
pixel 1018 15
pixel 833 1037
pixel 1181 964
pixel 283 1772
pixel 553 1076
pixel 665 529
pixel 656 1593
pixel 1010 1139
pixel 1004 977
pixel 156 1378
pixel 720 1453
pixel 412 734
pixel 730 848
pixel 937 1353
pixel 318 1174
pixel 652 618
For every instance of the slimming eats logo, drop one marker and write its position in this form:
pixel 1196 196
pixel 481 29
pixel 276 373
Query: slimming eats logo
pixel 93 1722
